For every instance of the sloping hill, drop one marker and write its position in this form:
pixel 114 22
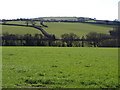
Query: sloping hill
pixel 19 30
pixel 57 28
pixel 77 28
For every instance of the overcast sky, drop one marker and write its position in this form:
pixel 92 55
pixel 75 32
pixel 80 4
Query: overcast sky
pixel 99 9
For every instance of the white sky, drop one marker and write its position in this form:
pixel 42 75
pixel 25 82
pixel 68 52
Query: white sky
pixel 99 9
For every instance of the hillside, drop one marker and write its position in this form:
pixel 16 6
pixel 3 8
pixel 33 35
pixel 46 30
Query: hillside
pixel 57 28
pixel 19 30
pixel 77 28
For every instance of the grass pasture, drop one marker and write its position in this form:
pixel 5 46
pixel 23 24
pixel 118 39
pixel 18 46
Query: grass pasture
pixel 60 67
pixel 19 30
pixel 81 29
pixel 58 28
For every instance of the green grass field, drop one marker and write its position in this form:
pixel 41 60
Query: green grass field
pixel 19 30
pixel 60 67
pixel 58 28
pixel 78 28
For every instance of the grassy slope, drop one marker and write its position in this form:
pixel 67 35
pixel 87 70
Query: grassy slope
pixel 60 67
pixel 77 28
pixel 59 28
pixel 19 30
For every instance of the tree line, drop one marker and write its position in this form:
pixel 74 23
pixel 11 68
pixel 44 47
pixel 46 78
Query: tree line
pixel 92 39
pixel 77 20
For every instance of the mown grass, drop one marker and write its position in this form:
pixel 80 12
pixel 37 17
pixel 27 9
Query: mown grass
pixel 60 67
pixel 81 29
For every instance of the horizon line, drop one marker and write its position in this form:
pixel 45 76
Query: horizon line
pixel 54 17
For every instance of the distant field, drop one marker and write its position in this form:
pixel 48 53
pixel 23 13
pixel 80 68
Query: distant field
pixel 60 18
pixel 77 28
pixel 68 67
pixel 19 30
pixel 58 28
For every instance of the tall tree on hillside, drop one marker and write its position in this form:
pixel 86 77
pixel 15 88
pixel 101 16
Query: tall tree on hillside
pixel 33 22
pixel 83 38
pixel 27 22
